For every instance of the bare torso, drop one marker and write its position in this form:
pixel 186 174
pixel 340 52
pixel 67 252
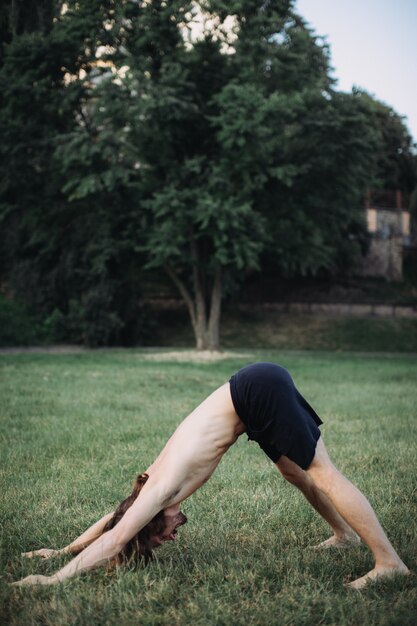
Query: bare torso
pixel 198 444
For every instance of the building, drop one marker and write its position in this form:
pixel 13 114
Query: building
pixel 388 219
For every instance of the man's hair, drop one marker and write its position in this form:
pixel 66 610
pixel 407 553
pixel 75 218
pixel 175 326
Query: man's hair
pixel 139 548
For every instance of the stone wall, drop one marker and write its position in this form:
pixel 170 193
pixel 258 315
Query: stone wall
pixel 352 309
pixel 342 309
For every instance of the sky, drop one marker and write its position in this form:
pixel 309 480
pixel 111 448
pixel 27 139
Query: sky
pixel 373 45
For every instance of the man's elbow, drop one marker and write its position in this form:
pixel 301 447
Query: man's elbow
pixel 160 496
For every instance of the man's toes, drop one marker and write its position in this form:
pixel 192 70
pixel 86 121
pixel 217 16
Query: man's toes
pixel 377 574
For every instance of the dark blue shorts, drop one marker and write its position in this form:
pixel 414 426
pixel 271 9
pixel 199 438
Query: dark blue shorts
pixel 274 412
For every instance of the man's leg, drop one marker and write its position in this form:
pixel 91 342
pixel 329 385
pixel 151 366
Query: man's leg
pixel 355 509
pixel 343 536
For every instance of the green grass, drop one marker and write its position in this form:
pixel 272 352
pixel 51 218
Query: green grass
pixel 75 429
pixel 259 328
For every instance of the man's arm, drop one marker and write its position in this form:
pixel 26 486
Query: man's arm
pixel 150 501
pixel 87 538
pixel 77 545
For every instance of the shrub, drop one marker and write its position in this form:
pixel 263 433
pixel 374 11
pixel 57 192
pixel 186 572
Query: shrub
pixel 18 327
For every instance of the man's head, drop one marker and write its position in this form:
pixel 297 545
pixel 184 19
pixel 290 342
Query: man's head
pixel 163 527
pixel 172 519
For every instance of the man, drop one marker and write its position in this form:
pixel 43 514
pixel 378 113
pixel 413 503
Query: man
pixel 262 400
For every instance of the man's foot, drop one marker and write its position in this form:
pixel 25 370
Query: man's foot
pixel 379 573
pixel 339 541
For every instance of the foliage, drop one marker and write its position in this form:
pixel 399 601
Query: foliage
pixel 130 142
pixel 58 250
pixel 397 160
pixel 316 225
pixel 17 326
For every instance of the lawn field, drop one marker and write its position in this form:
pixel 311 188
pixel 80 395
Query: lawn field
pixel 76 428
pixel 259 329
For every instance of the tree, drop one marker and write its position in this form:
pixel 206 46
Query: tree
pixel 316 214
pixel 241 164
pixel 206 142
pixel 66 259
pixel 396 159
pixel 174 139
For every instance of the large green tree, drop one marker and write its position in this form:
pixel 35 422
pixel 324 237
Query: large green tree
pixel 239 137
pixel 169 123
pixel 205 121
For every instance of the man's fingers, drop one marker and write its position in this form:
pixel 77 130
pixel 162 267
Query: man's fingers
pixel 33 579
pixel 43 553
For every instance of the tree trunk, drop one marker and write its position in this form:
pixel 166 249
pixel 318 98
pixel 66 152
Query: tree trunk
pixel 200 327
pixel 200 334
pixel 213 334
pixel 195 306
pixel 206 327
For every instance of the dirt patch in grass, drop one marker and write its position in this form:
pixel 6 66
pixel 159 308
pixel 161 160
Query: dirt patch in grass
pixel 193 356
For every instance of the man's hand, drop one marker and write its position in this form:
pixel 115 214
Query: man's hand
pixel 43 553
pixel 36 579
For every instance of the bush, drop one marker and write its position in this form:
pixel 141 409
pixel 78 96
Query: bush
pixel 18 327
pixel 94 318
pixel 99 318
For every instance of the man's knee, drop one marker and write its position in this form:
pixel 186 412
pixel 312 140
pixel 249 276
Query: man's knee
pixel 321 470
pixel 292 472
pixel 323 476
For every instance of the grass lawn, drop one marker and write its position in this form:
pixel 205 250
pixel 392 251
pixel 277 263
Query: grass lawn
pixel 259 328
pixel 75 429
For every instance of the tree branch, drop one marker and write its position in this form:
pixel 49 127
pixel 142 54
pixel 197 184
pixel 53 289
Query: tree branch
pixel 184 292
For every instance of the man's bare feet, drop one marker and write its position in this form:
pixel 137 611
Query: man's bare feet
pixel 339 541
pixel 379 573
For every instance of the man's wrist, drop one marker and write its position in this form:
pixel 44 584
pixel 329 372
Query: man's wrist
pixel 54 579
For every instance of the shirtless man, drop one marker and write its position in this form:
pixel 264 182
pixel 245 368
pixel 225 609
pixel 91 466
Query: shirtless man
pixel 262 400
